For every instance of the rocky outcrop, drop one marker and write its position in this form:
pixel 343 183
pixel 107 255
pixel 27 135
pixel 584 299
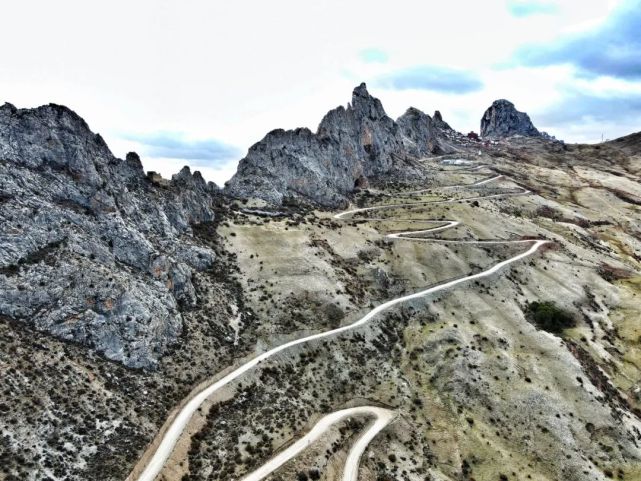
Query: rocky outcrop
pixel 424 135
pixel 502 120
pixel 91 250
pixel 629 143
pixel 439 123
pixel 419 132
pixel 323 167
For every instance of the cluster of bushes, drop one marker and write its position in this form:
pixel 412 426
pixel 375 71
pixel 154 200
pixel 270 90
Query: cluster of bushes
pixel 312 474
pixel 557 215
pixel 547 316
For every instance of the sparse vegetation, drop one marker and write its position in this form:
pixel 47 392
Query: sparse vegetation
pixel 611 273
pixel 451 372
pixel 547 316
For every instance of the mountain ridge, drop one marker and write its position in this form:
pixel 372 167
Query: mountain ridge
pixel 70 201
pixel 122 294
pixel 50 159
pixel 359 140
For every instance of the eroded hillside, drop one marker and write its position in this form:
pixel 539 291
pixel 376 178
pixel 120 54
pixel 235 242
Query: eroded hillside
pixel 483 387
pixel 512 353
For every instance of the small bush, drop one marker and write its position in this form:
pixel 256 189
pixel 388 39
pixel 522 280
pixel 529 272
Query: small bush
pixel 549 212
pixel 547 316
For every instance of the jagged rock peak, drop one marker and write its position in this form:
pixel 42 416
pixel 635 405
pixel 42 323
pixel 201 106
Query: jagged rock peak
pixel 58 114
pixel 360 140
pixel 414 112
pixel 133 159
pixel 424 135
pixel 9 107
pixel 439 122
pixel 502 120
pixel 417 130
pixel 366 106
pixel 323 167
pixel 195 181
pixel 53 136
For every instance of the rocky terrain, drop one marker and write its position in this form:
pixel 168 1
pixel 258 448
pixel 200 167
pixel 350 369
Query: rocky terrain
pixel 502 120
pixel 351 143
pixel 113 298
pixel 124 295
pixel 85 227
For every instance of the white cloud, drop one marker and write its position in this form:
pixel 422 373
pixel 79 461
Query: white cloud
pixel 235 70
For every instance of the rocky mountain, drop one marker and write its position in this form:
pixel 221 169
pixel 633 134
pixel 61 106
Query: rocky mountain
pixel 349 144
pixel 439 123
pixel 92 251
pixel 418 132
pixel 96 252
pixel 123 295
pixel 502 120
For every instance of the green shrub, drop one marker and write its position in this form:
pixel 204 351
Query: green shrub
pixel 547 316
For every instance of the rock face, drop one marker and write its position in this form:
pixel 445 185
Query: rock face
pixel 92 251
pixel 502 120
pixel 424 135
pixel 419 132
pixel 439 122
pixel 323 167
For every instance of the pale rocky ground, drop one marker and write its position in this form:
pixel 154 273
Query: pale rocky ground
pixel 481 393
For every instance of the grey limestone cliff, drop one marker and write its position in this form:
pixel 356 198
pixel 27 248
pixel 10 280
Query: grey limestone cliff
pixel 360 141
pixel 91 251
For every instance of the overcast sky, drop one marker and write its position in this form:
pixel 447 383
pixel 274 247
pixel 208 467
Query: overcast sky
pixel 196 82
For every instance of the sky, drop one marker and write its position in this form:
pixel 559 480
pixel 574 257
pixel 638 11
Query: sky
pixel 197 82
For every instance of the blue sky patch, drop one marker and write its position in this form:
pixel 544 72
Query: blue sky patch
pixel 527 8
pixel 426 77
pixel 174 145
pixel 373 55
pixel 612 49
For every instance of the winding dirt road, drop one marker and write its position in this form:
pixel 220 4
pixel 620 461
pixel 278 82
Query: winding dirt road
pixel 350 473
pixel 383 416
